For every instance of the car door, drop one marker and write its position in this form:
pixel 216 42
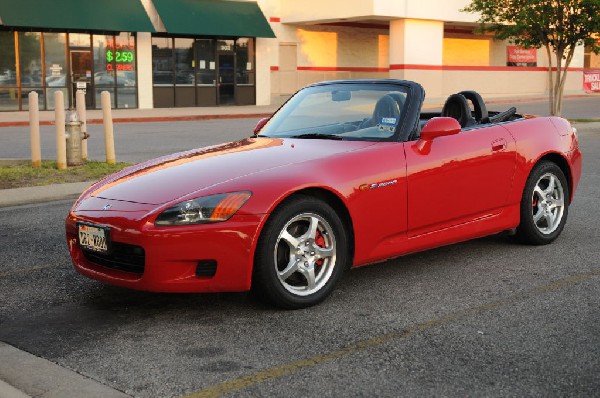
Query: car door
pixel 458 178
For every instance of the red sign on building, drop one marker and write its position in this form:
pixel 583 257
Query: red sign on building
pixel 591 81
pixel 519 56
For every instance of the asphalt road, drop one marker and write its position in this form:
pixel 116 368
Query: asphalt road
pixel 135 142
pixel 482 318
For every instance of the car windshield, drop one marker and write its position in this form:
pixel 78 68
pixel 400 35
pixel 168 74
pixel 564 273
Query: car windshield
pixel 370 112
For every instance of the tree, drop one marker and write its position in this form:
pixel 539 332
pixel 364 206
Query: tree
pixel 557 25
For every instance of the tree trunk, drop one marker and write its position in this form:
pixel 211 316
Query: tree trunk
pixel 564 79
pixel 550 80
pixel 557 82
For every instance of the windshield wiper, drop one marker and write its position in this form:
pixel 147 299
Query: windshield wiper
pixel 321 136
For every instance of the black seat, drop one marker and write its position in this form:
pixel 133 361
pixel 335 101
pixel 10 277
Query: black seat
pixel 481 113
pixel 386 107
pixel 399 98
pixel 456 107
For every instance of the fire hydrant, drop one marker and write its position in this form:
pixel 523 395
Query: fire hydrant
pixel 74 137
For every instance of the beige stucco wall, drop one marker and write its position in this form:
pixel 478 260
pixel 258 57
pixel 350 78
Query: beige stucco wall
pixel 329 46
pixel 415 37
pixel 307 11
pixel 492 84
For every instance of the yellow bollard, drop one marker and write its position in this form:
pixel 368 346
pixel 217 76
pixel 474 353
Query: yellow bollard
pixel 109 139
pixel 61 143
pixel 34 130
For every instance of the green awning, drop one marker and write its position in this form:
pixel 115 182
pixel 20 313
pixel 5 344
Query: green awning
pixel 103 15
pixel 213 18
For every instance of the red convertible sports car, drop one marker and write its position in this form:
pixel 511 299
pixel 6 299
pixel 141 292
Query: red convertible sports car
pixel 345 174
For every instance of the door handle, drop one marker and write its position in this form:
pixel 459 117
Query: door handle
pixel 499 145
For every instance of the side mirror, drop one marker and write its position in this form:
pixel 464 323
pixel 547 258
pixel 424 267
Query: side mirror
pixel 261 123
pixel 439 127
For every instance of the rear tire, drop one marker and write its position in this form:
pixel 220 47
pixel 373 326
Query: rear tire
pixel 301 254
pixel 544 205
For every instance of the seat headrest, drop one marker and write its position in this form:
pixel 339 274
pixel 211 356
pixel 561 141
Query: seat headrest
pixel 481 113
pixel 456 107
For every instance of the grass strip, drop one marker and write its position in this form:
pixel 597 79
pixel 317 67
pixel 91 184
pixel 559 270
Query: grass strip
pixel 23 175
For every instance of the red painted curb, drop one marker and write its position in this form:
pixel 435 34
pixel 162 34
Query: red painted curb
pixel 149 119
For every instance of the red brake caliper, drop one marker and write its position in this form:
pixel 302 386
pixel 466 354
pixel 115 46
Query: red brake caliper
pixel 319 241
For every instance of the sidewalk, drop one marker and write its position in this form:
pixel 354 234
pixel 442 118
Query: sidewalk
pixel 94 116
pixel 25 375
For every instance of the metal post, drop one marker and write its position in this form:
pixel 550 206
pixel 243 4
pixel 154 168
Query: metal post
pixel 80 105
pixel 34 130
pixel 109 139
pixel 59 116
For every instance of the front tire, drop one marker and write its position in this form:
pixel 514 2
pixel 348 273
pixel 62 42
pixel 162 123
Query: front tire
pixel 544 205
pixel 301 254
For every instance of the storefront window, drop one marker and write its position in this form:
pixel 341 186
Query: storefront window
pixel 79 39
pixel 8 73
pixel 244 51
pixel 25 98
pixel 184 62
pixel 104 74
pixel 30 60
pixel 206 71
pixel 126 72
pixel 56 66
pixel 98 93
pixel 225 45
pixel 162 61
pixel 114 69
pixel 50 97
pixel 222 71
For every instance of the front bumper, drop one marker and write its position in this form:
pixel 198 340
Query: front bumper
pixel 172 254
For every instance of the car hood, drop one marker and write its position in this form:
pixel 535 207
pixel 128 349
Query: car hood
pixel 168 178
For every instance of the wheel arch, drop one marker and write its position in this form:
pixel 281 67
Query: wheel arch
pixel 564 166
pixel 328 196
pixel 336 203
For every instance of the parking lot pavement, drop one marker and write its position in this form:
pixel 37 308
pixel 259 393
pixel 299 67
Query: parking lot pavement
pixel 486 317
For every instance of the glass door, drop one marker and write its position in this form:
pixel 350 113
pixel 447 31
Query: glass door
pixel 81 76
pixel 226 79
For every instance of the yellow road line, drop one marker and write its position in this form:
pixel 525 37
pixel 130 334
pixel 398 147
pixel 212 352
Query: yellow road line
pixel 292 367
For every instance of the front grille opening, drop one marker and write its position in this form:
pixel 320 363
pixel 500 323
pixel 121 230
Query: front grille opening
pixel 122 257
pixel 206 268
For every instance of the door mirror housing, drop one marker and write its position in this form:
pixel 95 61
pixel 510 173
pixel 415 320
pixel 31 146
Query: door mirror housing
pixel 261 123
pixel 439 127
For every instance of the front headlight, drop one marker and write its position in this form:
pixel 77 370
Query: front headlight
pixel 208 209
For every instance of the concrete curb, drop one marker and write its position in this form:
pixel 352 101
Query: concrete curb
pixel 46 193
pixel 8 391
pixel 24 375
pixel 148 119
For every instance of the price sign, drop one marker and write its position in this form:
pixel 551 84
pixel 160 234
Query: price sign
pixel 120 57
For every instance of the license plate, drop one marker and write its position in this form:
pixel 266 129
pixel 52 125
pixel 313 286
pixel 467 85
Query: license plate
pixel 93 238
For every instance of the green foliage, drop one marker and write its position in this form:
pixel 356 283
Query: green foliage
pixel 23 175
pixel 560 24
pixel 557 25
